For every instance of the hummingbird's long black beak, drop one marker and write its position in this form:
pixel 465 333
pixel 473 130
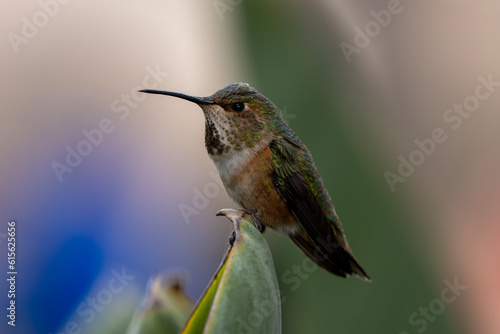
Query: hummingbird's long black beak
pixel 195 99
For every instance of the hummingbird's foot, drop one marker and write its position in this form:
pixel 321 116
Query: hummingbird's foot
pixel 256 221
pixel 259 226
pixel 232 238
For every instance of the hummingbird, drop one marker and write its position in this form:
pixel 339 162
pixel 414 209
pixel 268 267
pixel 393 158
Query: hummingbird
pixel 268 171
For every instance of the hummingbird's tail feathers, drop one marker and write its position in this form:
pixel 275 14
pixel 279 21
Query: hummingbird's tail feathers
pixel 322 237
pixel 358 271
pixel 307 246
pixel 330 256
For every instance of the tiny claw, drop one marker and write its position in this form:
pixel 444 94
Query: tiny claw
pixel 256 220
pixel 232 238
pixel 262 228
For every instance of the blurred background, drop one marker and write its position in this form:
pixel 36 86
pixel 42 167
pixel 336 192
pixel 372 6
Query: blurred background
pixel 397 101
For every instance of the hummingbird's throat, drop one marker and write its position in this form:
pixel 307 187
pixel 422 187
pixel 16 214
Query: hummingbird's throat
pixel 224 133
pixel 214 139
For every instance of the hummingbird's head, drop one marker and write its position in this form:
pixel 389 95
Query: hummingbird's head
pixel 236 117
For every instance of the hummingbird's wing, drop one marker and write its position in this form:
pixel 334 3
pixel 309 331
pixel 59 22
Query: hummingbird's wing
pixel 299 184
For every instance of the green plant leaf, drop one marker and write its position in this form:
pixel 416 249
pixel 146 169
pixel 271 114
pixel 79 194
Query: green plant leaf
pixel 244 295
pixel 165 309
pixel 198 318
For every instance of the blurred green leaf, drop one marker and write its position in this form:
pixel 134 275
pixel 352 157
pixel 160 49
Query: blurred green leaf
pixel 166 308
pixel 244 295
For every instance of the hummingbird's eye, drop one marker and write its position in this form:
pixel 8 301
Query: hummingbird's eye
pixel 238 106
